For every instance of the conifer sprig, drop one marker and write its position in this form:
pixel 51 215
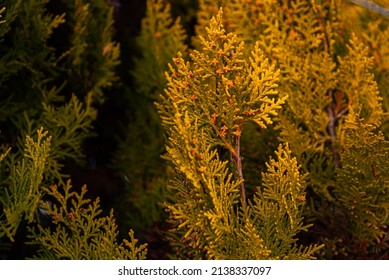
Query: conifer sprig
pixel 78 231
pixel 222 90
pixel 278 207
pixel 364 180
pixel 69 125
pixel 161 38
pixel 20 199
pixel 57 60
pixel 207 102
pixel 1 16
pixel 362 91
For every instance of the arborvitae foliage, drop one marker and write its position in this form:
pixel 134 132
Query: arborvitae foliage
pixel 371 25
pixel 363 185
pixel 206 10
pixel 57 58
pixel 326 72
pixel 79 232
pixel 63 223
pixel 160 39
pixel 228 199
pixel 21 198
pixel 143 169
pixel 278 207
pixel 208 100
pixel 1 12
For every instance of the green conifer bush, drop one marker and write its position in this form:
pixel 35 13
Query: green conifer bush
pixel 331 57
pixel 328 78
pixel 373 29
pixel 53 80
pixel 208 100
pixel 364 180
pixel 63 223
pixel 143 170
pixel 57 59
pixel 262 137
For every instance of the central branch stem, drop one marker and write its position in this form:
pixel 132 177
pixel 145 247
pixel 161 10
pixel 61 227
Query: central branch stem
pixel 331 129
pixel 238 160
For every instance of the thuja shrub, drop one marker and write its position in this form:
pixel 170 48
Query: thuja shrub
pixel 61 223
pixel 143 170
pixel 57 60
pixel 327 73
pixel 207 101
pixel 332 84
pixel 371 25
pixel 287 79
pixel 324 65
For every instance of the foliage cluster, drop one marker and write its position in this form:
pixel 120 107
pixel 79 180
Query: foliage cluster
pixel 271 122
pixel 206 106
pixel 143 170
pixel 57 59
pixel 326 99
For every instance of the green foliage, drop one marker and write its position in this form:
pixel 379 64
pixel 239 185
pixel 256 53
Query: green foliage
pixel 373 29
pixel 2 11
pixel 21 199
pixel 364 181
pixel 57 61
pixel 160 39
pixel 328 74
pixel 79 232
pixel 70 125
pixel 308 77
pixel 75 229
pixel 208 100
pixel 325 76
pixel 143 170
pixel 53 80
pixel 91 54
pixel 206 10
pixel 221 89
pixel 278 207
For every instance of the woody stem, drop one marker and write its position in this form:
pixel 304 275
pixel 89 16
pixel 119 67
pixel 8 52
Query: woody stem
pixel 331 130
pixel 238 160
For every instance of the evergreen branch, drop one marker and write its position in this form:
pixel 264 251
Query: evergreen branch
pixel 22 196
pixel 362 90
pixel 70 125
pixel 364 179
pixel 331 130
pixel 208 100
pixel 161 38
pixel 277 207
pixel 327 42
pixel 78 232
pixel 2 156
pixel 2 10
pixel 238 161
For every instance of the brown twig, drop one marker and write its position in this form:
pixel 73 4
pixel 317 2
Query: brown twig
pixel 238 160
pixel 334 117
pixel 331 129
